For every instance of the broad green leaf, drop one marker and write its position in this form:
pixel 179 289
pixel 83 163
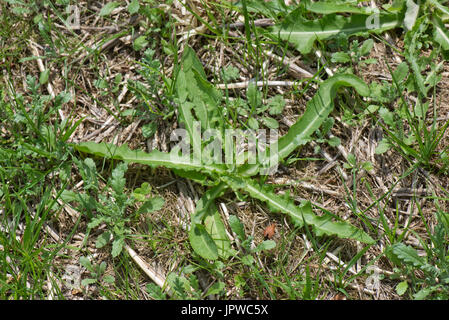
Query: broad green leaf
pixel 153 159
pixel 253 124
pixel 196 79
pixel 68 196
pixel 401 72
pixel 340 57
pixel 206 210
pixel 383 146
pixel 395 7
pixel 352 161
pixel 298 214
pixel 102 267
pixel 411 14
pixel 420 109
pixel 181 86
pixel 216 288
pixel 206 201
pixel 103 239
pixel 253 95
pixel 43 78
pixel 117 246
pixel 215 227
pixel 402 287
pixel 440 33
pixel 372 108
pixel 186 116
pixel 369 61
pixel 334 141
pixel 270 122
pixel 434 76
pixel 422 294
pixel 191 61
pixel 366 47
pixel 133 6
pixel 303 33
pixel 387 116
pixel 237 227
pixel 192 175
pixel 197 97
pixel 202 243
pixel 108 8
pixel 151 205
pixel 85 262
pixel 21 10
pixel 266 245
pixel 149 129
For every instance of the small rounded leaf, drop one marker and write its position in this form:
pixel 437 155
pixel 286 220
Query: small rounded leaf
pixel 43 79
pixel 401 287
pixel 202 243
pixel 108 8
pixel 133 6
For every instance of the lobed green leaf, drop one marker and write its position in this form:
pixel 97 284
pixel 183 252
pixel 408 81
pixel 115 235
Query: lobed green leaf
pixel 298 214
pixel 302 33
pixel 153 159
pixel 318 109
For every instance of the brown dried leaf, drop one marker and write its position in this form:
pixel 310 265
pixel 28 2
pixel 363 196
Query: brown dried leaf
pixel 269 231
